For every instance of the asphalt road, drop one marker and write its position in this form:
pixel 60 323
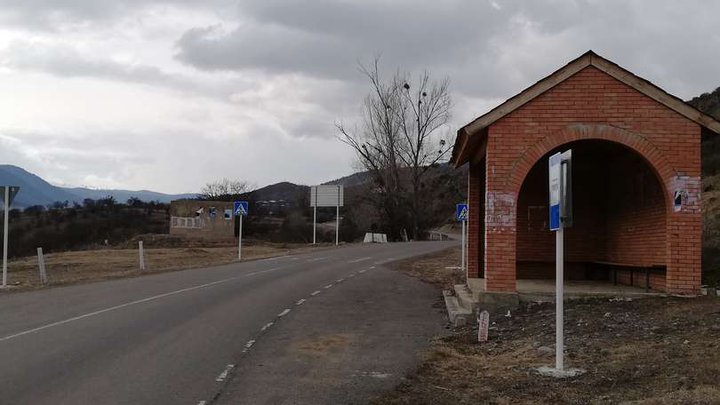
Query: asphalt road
pixel 191 336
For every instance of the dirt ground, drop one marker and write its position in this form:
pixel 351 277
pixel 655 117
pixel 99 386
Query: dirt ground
pixel 645 351
pixel 101 264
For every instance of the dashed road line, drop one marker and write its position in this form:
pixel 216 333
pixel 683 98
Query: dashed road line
pixel 225 373
pixel 317 259
pixel 362 259
pixel 351 275
pixel 300 302
pixel 362 271
pixel 266 326
pixel 284 312
pixel 372 267
pixel 328 286
pixel 314 293
pixel 340 280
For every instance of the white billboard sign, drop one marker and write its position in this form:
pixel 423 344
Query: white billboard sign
pixel 326 196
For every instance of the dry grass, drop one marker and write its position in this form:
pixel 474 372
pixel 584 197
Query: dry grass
pixel 93 265
pixel 441 268
pixel 648 351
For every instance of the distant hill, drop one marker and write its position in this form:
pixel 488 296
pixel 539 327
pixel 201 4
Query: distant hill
pixel 36 191
pixel 280 191
pixel 709 103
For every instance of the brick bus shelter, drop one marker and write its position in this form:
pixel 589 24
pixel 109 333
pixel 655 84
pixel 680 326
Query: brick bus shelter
pixel 636 182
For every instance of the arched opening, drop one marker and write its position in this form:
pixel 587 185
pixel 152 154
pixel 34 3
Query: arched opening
pixel 619 209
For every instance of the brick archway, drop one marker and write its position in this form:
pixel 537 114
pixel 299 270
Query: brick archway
pixel 620 227
pixel 635 142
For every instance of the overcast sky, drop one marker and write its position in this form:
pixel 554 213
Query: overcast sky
pixel 169 95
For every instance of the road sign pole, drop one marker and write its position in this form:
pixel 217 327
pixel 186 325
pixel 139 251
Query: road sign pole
pixel 337 219
pixel 559 298
pixel 240 237
pixel 462 260
pixel 5 236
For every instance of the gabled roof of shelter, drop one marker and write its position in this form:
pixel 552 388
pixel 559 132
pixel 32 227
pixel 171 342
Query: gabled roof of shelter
pixel 468 137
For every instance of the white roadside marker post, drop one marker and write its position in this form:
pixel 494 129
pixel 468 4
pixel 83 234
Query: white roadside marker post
pixel 41 266
pixel 141 252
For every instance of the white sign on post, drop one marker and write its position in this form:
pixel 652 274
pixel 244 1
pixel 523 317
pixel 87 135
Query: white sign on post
pixel 560 193
pixel 331 195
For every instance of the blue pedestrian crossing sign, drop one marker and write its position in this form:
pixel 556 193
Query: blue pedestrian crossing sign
pixel 461 212
pixel 240 208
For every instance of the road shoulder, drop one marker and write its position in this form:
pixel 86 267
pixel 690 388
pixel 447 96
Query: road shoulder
pixel 347 345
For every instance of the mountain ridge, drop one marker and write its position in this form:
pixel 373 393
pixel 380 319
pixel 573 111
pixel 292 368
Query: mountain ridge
pixel 34 190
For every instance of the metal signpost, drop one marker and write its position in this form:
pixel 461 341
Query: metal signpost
pixel 461 214
pixel 10 192
pixel 240 210
pixel 327 196
pixel 560 188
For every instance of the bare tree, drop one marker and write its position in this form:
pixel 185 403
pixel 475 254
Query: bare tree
pixel 401 138
pixel 224 189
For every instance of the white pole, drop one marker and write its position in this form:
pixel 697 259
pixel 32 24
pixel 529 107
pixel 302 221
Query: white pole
pixel 141 252
pixel 337 219
pixel 240 238
pixel 462 260
pixel 41 266
pixel 559 297
pixel 5 237
pixel 315 216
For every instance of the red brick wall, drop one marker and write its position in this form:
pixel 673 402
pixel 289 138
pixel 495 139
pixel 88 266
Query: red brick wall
pixel 476 226
pixel 593 105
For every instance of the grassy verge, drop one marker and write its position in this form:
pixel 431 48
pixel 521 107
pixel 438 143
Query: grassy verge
pixel 93 265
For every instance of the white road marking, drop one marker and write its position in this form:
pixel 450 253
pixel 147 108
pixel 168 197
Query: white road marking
pixel 362 259
pixel 224 374
pixel 201 403
pixel 372 267
pixel 300 302
pixel 131 303
pixel 284 312
pixel 249 344
pixel 269 259
pixel 362 271
pixel 351 275
pixel 317 259
pixel 340 280
pixel 267 326
pixel 328 286
pixel 314 293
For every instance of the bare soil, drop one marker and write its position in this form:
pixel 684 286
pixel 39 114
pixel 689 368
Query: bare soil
pixel 646 351
pixel 101 264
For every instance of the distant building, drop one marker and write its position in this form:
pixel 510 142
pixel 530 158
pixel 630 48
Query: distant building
pixel 202 219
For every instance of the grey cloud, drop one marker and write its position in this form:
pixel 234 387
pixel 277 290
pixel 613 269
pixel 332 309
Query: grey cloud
pixel 480 46
pixel 65 61
pixel 54 15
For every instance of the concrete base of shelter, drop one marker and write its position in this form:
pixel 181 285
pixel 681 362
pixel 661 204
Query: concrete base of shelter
pixel 468 299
